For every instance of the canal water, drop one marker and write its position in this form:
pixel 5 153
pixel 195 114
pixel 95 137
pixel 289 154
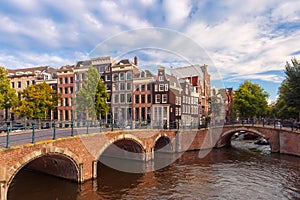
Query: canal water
pixel 243 171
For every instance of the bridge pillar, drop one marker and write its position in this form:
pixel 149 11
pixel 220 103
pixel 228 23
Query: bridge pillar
pixel 3 185
pixel 149 155
pixel 3 191
pixel 94 170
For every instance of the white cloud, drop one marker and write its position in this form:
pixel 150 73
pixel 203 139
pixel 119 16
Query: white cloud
pixel 241 37
pixel 265 77
pixel 176 12
pixel 29 59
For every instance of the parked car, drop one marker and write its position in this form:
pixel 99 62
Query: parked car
pixel 3 128
pixel 17 127
pixel 287 123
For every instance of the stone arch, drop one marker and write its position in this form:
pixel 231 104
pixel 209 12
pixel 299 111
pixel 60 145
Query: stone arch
pixel 161 141
pixel 46 151
pixel 127 137
pixel 225 137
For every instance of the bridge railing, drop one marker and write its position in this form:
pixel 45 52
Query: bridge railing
pixel 52 130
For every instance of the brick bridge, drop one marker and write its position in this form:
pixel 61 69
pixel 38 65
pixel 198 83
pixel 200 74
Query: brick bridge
pixel 75 158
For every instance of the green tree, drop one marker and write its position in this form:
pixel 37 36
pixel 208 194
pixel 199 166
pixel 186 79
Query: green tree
pixel 250 100
pixel 36 101
pixel 91 98
pixel 101 97
pixel 8 97
pixel 289 91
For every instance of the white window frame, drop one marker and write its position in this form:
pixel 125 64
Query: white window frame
pixel 161 87
pixel 164 98
pixel 157 98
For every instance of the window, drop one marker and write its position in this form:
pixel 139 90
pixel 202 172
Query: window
pixel 66 80
pixel 136 87
pixel 161 78
pixel 161 87
pixel 143 88
pixel 137 98
pixel 137 111
pixel 116 99
pixel 66 90
pixel 129 110
pixel 60 81
pixel 148 86
pixel 122 76
pixel 28 82
pixel 115 86
pixel 176 101
pixel 166 87
pixel 60 90
pixel 19 84
pixel 108 86
pixel 129 98
pixel 82 76
pixel 101 69
pixel 157 98
pixel 61 115
pixel 164 98
pixel 122 86
pixel 116 77
pixel 142 74
pixel 108 77
pixel 108 99
pixel 66 115
pixel 71 101
pixel 122 98
pixel 129 75
pixel 71 90
pixel 143 98
pixel 149 98
pixel 66 102
pixel 33 82
pixel 12 84
pixel 165 112
pixel 155 88
pixel 71 80
pixel 128 86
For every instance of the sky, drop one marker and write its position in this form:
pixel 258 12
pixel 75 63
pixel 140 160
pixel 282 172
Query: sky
pixel 244 40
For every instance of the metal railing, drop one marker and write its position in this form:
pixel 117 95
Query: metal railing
pixel 52 130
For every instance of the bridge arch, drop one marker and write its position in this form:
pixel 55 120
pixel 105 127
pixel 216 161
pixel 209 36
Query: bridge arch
pixel 125 146
pixel 225 137
pixel 50 157
pixel 162 143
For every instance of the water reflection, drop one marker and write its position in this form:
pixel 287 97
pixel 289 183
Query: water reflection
pixel 32 185
pixel 228 173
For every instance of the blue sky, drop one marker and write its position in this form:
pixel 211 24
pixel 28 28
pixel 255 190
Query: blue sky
pixel 246 39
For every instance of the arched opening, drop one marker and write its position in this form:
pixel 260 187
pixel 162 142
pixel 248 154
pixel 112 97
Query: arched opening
pixel 163 144
pixel 48 174
pixel 163 156
pixel 245 139
pixel 124 155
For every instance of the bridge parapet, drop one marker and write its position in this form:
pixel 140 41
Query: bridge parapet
pixel 75 150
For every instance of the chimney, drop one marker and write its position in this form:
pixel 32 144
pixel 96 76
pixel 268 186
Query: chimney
pixel 135 61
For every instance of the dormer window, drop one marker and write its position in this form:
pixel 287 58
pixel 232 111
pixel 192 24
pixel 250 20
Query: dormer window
pixel 142 74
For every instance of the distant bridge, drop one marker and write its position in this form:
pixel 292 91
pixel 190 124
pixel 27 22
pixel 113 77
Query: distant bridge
pixel 76 157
